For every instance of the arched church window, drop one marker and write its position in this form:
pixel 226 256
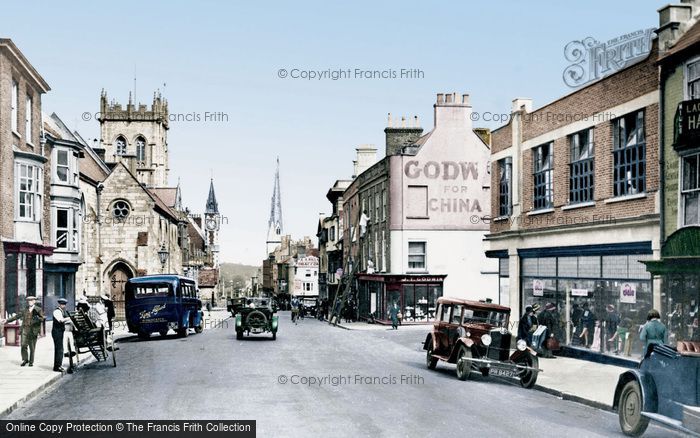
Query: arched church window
pixel 141 150
pixel 121 145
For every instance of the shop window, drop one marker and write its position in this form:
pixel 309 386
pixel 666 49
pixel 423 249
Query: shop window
pixel 629 155
pixel 542 174
pixel 505 173
pixel 615 266
pixel 589 266
pixel 416 255
pixel 568 266
pixel 690 190
pixel 581 173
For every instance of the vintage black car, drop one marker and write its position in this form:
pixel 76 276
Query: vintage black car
pixel 474 335
pixel 257 316
pixel 665 388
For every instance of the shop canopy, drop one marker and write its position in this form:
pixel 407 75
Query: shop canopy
pixel 680 253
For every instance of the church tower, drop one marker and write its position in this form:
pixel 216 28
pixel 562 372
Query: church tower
pixel 212 224
pixel 274 225
pixel 136 136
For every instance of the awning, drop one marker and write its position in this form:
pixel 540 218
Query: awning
pixel 680 253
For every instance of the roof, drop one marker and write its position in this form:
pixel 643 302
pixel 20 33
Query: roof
pixel 208 277
pixel 29 68
pixel 167 194
pixel 212 205
pixel 55 126
pixel 473 304
pixel 91 168
pixel 161 205
pixel 689 39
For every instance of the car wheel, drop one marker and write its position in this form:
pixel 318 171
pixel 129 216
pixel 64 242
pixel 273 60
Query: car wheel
pixel 485 372
pixel 528 377
pixel 430 361
pixel 464 363
pixel 274 335
pixel 239 335
pixel 200 327
pixel 163 332
pixel 632 422
pixel 144 335
pixel 183 332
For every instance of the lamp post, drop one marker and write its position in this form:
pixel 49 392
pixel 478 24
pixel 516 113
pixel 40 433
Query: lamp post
pixel 255 285
pixel 163 256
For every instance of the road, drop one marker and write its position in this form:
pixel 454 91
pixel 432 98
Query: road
pixel 370 383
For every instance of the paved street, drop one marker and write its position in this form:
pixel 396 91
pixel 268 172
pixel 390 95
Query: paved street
pixel 213 376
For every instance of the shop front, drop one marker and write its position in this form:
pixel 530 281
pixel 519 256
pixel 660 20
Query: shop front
pixel 416 296
pixel 679 270
pixel 600 294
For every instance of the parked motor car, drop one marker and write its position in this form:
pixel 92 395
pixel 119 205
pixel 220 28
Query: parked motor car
pixel 474 335
pixel 664 388
pixel 257 316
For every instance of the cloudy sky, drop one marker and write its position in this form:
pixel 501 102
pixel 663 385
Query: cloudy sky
pixel 226 57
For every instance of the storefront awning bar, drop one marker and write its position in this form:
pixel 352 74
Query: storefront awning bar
pixel 497 254
pixel 584 250
pixel 673 265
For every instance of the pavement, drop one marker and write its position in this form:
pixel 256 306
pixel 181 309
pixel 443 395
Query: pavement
pixel 578 380
pixel 20 384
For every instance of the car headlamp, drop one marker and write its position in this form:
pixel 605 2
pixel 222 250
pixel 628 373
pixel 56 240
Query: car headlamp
pixel 521 345
pixel 486 339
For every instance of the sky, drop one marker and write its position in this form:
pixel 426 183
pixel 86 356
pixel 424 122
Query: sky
pixel 226 58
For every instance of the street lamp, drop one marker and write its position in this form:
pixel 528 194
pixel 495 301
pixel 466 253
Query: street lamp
pixel 163 255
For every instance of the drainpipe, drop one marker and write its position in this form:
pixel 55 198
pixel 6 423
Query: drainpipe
pixel 98 191
pixel 662 160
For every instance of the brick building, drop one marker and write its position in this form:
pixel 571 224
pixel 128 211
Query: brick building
pixel 330 243
pixel 25 175
pixel 575 204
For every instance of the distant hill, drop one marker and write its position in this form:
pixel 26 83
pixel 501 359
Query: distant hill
pixel 238 274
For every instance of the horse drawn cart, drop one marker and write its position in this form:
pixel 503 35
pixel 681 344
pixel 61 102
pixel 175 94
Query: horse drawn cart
pixel 89 337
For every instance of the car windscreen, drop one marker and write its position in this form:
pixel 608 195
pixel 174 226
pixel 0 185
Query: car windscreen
pixel 480 316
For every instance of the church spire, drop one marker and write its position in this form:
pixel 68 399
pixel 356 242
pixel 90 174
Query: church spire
pixel 275 227
pixel 212 205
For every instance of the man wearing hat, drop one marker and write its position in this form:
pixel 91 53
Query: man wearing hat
pixel 31 317
pixel 528 324
pixel 109 305
pixel 60 320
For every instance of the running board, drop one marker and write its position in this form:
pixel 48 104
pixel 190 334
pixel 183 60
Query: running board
pixel 670 422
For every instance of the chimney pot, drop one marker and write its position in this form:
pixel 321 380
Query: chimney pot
pixel 448 98
pixel 440 98
pixel 465 99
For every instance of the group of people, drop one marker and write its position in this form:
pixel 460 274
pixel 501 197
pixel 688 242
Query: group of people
pixel 32 317
pixel 609 332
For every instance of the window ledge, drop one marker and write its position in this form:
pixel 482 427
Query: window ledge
pixel 541 211
pixel 17 134
pixel 30 144
pixel 501 219
pixel 579 205
pixel 625 198
pixel 417 217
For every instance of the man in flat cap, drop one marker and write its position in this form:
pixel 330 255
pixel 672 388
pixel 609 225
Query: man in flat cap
pixel 31 317
pixel 60 320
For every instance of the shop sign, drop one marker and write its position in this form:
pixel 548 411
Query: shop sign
pixel 538 288
pixel 579 292
pixel 628 293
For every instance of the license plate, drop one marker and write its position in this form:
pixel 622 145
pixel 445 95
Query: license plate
pixel 502 372
pixel 257 330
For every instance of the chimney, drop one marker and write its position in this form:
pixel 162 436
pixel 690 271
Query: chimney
pixel 403 135
pixel 453 110
pixel 366 157
pixel 484 134
pixel 674 20
pixel 522 103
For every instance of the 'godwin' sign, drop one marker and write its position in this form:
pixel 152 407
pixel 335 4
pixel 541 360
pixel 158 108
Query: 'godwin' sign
pixel 457 175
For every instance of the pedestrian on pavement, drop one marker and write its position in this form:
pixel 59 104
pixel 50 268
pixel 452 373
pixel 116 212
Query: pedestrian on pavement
pixel 527 325
pixel 295 310
pixel 654 331
pixel 58 329
pixel 109 305
pixel 31 317
pixel 101 319
pixel 83 304
pixel 576 330
pixel 548 319
pixel 393 313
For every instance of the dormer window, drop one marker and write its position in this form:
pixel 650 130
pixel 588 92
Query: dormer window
pixel 120 146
